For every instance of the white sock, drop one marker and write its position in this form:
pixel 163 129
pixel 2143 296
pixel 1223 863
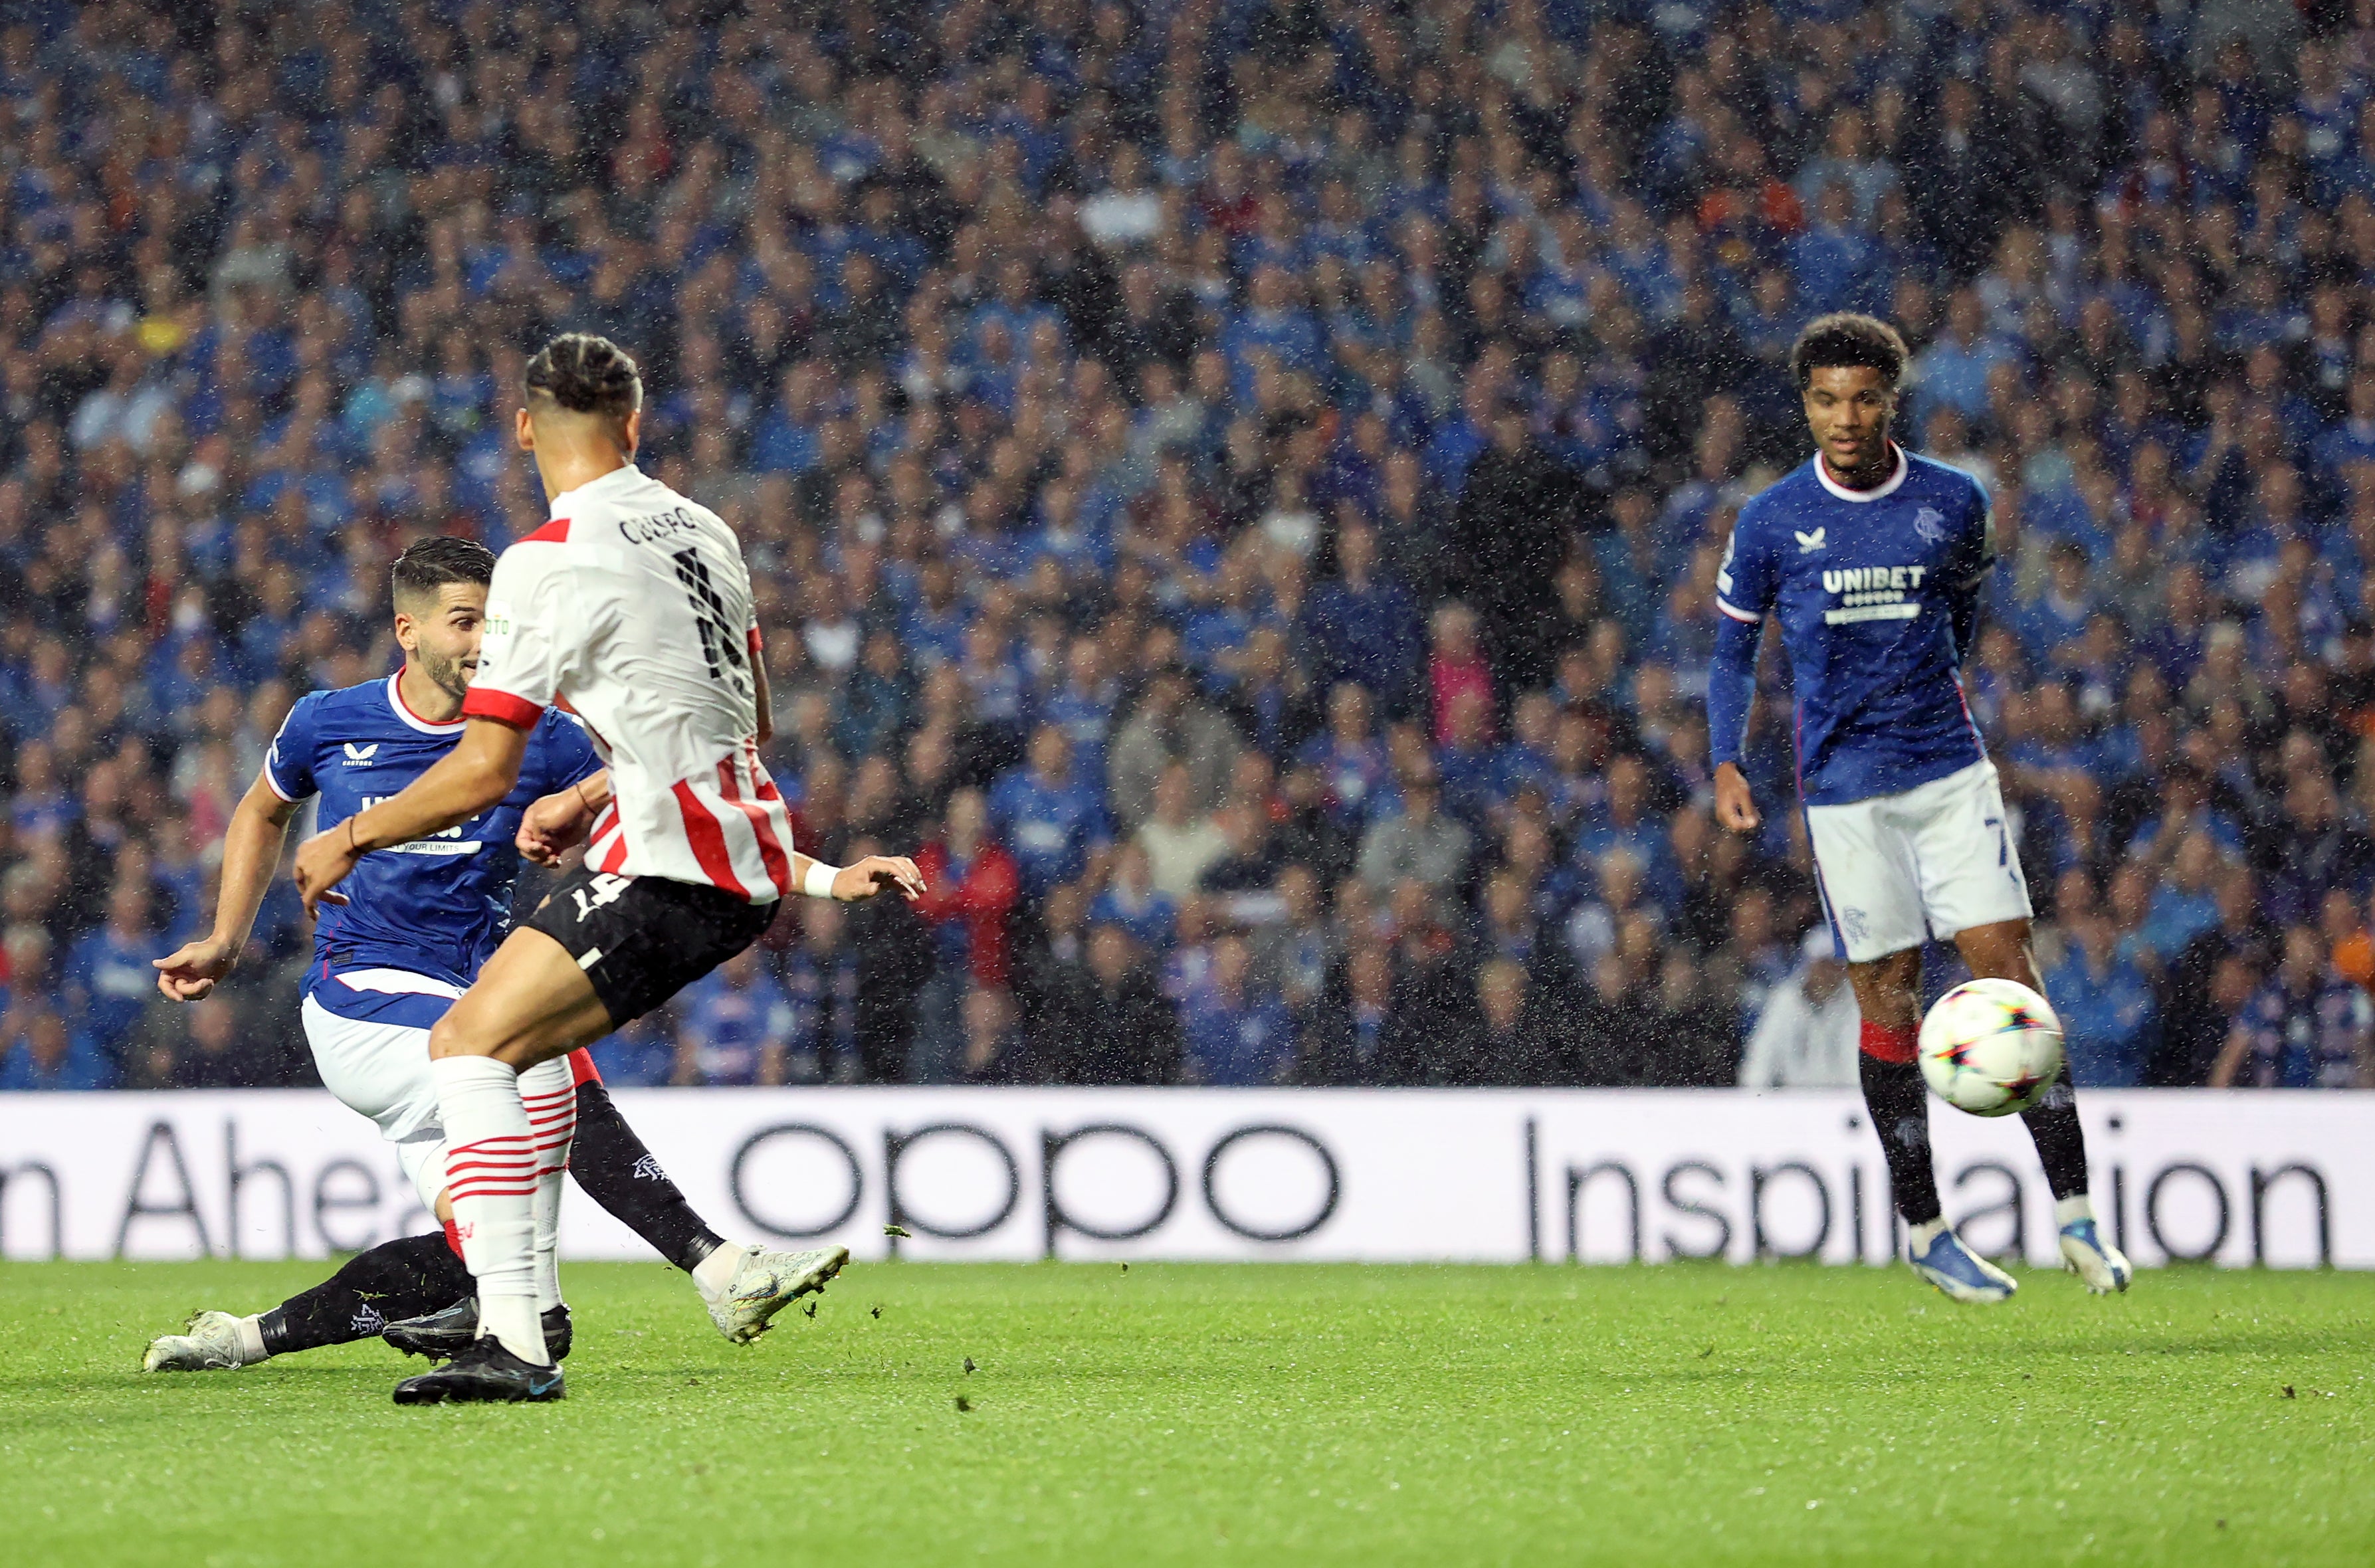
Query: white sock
pixel 491 1179
pixel 1920 1236
pixel 251 1342
pixel 548 1093
pixel 2070 1210
pixel 712 1274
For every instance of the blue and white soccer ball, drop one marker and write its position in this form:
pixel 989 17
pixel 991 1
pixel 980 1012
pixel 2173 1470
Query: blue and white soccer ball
pixel 1991 1048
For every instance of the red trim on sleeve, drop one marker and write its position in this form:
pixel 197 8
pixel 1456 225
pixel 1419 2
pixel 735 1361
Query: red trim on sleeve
pixel 758 642
pixel 582 1070
pixel 486 702
pixel 553 533
pixel 274 785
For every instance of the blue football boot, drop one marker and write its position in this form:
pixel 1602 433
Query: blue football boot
pixel 1958 1271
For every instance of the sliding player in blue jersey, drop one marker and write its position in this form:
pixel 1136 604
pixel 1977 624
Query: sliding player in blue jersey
pixel 408 935
pixel 1872 561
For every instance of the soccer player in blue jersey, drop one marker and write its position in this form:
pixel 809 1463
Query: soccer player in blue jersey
pixel 416 922
pixel 1872 561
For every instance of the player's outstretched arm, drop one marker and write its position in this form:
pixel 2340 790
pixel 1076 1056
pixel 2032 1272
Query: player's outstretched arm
pixel 557 822
pixel 479 772
pixel 252 845
pixel 860 879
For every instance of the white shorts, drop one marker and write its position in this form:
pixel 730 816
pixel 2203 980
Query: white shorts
pixel 380 1070
pixel 1935 860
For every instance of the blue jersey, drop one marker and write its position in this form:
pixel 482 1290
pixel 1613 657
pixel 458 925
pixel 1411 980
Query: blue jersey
pixel 435 907
pixel 1868 587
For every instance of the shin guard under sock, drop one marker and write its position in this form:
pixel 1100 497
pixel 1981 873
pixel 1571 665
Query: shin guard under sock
pixel 1900 1103
pixel 2060 1142
pixel 551 1103
pixel 616 1171
pixel 491 1179
pixel 395 1280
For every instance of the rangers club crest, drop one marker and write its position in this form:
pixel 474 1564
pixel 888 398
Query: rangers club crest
pixel 1930 524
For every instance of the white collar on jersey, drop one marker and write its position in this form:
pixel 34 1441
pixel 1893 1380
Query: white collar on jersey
pixel 1884 488
pixel 626 472
pixel 404 710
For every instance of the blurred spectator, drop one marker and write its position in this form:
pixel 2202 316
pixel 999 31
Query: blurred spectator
pixel 992 1047
pixel 1516 1035
pixel 1171 726
pixel 1688 1038
pixel 639 1054
pixel 2111 1021
pixel 1231 1032
pixel 219 1052
pixel 735 1025
pixel 971 885
pixel 820 979
pixel 108 977
pixel 1177 845
pixel 2306 1028
pixel 44 1053
pixel 1052 820
pixel 1131 901
pixel 1418 843
pixel 1807 1031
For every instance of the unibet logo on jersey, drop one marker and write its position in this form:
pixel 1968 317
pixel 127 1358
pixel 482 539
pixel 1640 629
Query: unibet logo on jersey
pixel 1872 593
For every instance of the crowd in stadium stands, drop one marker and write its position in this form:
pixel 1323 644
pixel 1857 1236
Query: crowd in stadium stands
pixel 1233 486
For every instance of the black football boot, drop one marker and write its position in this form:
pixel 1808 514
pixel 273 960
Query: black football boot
pixel 483 1372
pixel 438 1335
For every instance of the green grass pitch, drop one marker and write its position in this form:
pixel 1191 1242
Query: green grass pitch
pixel 1208 1414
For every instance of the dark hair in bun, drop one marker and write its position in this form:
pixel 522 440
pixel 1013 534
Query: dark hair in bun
pixel 586 374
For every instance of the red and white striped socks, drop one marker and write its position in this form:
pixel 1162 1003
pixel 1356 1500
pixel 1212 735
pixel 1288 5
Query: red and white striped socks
pixel 491 1178
pixel 549 1090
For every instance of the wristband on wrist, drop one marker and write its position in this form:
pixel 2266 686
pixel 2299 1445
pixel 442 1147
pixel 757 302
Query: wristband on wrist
pixel 353 843
pixel 818 883
pixel 582 798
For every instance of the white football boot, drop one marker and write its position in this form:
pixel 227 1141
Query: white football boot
pixel 2103 1268
pixel 766 1283
pixel 1958 1271
pixel 211 1344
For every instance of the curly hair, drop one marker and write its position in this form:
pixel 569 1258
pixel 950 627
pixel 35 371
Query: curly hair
pixel 1847 338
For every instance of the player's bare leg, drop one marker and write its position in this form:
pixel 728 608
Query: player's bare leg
pixel 1888 992
pixel 2001 951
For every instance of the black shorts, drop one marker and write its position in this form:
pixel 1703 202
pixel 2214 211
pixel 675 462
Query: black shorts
pixel 641 939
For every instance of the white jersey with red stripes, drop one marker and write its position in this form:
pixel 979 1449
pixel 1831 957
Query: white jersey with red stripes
pixel 632 608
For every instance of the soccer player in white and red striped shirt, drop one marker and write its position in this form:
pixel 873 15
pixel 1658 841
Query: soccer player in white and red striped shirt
pixel 632 605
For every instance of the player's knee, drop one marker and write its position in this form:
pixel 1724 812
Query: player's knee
pixel 1886 995
pixel 452 1037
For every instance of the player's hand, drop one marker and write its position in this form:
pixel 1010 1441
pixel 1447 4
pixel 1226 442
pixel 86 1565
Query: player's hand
pixel 322 862
pixel 875 874
pixel 1736 804
pixel 551 827
pixel 189 974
